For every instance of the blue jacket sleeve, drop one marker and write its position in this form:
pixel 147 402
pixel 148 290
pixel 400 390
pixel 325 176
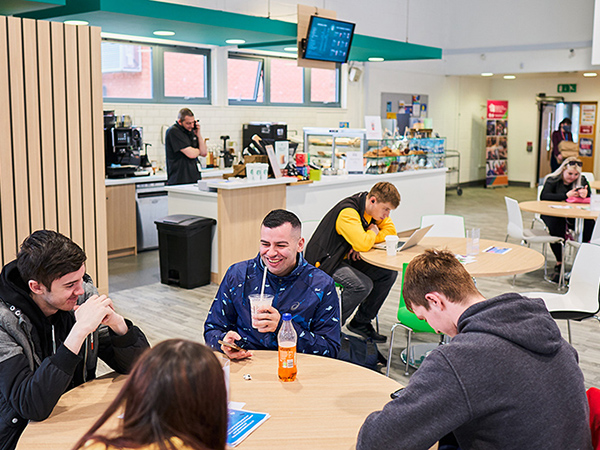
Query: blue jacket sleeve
pixel 222 315
pixel 322 337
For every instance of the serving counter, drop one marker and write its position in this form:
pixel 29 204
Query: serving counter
pixel 240 206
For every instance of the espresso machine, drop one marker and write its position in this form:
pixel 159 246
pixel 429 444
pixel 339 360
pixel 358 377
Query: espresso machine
pixel 122 147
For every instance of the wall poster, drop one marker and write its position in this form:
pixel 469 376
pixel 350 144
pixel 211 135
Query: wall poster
pixel 496 149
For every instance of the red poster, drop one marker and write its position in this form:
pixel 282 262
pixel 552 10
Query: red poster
pixel 586 129
pixel 497 109
pixel 496 143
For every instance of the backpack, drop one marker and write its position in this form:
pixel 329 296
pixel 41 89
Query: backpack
pixel 359 351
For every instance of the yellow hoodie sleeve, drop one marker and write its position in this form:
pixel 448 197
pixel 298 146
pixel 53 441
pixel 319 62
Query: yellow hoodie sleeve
pixel 386 228
pixel 349 226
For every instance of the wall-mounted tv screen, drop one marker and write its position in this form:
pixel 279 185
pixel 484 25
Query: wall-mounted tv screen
pixel 328 40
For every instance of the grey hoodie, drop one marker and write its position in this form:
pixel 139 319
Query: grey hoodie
pixel 507 380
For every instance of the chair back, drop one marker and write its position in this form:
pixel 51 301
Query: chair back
pixel 444 225
pixel 595 239
pixel 584 285
pixel 589 176
pixel 408 318
pixel 515 220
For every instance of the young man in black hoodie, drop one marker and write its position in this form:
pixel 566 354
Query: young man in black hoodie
pixel 53 328
pixel 506 380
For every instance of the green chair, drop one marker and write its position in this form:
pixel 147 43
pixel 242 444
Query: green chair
pixel 408 321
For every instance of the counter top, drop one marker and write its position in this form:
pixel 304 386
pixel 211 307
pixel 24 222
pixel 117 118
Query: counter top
pixel 162 176
pixel 352 179
pixel 243 183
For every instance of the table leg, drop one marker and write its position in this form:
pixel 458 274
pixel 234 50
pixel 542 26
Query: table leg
pixel 579 230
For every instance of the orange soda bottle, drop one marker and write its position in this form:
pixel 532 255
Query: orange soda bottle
pixel 286 340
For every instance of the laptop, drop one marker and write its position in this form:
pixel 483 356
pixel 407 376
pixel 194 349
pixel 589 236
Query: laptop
pixel 413 240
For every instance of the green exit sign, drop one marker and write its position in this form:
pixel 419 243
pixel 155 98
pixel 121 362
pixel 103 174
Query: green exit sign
pixel 567 88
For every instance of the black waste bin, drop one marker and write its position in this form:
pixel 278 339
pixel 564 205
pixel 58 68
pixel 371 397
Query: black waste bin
pixel 184 245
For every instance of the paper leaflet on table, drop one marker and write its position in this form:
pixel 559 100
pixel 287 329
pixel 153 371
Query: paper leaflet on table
pixel 466 259
pixel 497 250
pixel 241 424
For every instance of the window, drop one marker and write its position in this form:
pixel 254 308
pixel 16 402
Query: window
pixel 155 73
pixel 253 79
pixel 126 71
pixel 245 79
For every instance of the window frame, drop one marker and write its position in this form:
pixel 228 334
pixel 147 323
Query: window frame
pixel 158 74
pixel 266 74
pixel 260 73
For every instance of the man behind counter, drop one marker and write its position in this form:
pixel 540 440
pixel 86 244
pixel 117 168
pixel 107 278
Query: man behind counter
pixel 183 144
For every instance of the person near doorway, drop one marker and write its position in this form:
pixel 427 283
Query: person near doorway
pixel 562 134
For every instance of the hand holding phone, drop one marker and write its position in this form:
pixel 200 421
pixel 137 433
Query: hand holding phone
pixel 231 345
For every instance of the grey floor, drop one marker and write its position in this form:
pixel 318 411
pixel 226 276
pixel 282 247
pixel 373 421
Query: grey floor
pixel 167 311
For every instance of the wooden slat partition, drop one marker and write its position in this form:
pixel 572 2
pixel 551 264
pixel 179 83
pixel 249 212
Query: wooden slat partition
pixel 51 145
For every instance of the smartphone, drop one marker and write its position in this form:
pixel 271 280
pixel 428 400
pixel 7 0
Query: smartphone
pixel 232 346
pixel 396 394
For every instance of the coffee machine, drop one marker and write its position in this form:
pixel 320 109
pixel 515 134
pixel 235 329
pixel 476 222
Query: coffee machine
pixel 122 146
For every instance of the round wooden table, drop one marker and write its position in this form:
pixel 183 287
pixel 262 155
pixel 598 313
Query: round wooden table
pixel 324 408
pixel 595 184
pixel 577 211
pixel 516 261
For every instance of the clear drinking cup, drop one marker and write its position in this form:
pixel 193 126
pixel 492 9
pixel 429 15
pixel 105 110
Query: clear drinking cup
pixel 391 244
pixel 473 241
pixel 258 303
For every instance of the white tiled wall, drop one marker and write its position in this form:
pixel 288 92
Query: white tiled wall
pixel 217 121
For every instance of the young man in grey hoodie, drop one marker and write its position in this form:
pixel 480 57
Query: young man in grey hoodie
pixel 506 380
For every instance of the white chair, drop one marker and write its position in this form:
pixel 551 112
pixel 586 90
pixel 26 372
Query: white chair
pixel 537 217
pixel 589 176
pixel 595 239
pixel 582 300
pixel 444 225
pixel 530 236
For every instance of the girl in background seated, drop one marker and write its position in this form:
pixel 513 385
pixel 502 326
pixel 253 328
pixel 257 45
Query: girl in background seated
pixel 565 182
pixel 174 399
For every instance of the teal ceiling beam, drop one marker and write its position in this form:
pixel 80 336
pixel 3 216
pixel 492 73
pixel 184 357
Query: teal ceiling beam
pixel 212 27
pixel 12 7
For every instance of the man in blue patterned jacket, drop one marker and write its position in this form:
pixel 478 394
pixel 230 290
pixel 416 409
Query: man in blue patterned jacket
pixel 297 287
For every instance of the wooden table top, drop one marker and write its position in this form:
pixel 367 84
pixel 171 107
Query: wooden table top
pixel 559 209
pixel 595 184
pixel 518 260
pixel 324 408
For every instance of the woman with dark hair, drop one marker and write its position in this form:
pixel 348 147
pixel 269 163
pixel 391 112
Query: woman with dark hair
pixel 174 399
pixel 565 182
pixel 562 134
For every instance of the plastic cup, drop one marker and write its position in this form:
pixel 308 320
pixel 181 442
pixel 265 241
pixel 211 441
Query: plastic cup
pixel 225 364
pixel 258 303
pixel 473 241
pixel 391 244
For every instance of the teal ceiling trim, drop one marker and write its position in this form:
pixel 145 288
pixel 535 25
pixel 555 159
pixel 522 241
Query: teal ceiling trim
pixel 12 7
pixel 213 27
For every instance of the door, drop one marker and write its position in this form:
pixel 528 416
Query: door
pixel 547 118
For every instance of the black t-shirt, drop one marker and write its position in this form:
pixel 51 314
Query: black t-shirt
pixel 180 168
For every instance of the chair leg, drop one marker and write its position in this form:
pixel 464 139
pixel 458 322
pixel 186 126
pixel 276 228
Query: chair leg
pixel 408 339
pixel 569 330
pixel 377 322
pixel 389 361
pixel 561 277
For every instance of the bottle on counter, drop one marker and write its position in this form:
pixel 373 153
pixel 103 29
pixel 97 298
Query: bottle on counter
pixel 286 340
